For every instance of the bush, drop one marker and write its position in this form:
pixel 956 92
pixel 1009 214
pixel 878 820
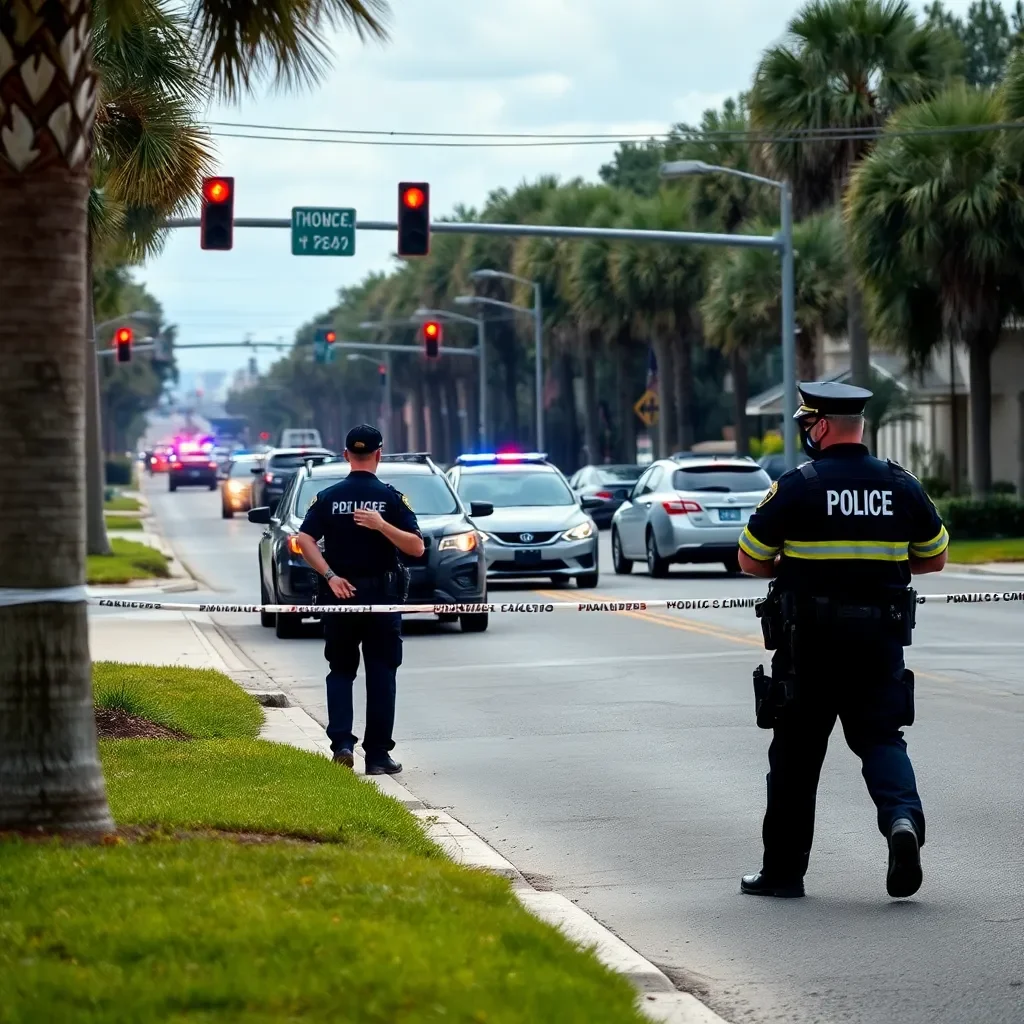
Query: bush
pixel 982 518
pixel 1004 487
pixel 119 471
pixel 770 444
pixel 936 486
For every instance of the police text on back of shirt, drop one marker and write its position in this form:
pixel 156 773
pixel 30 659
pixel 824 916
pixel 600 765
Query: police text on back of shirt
pixel 860 503
pixel 346 508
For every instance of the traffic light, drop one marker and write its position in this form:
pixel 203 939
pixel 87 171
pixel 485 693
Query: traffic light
pixel 413 218
pixel 323 340
pixel 217 223
pixel 123 344
pixel 431 339
pixel 382 371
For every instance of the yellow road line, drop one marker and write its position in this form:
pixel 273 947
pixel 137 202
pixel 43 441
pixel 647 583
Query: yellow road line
pixel 688 625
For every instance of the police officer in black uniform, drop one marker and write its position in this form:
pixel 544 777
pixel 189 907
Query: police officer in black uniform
pixel 364 524
pixel 841 536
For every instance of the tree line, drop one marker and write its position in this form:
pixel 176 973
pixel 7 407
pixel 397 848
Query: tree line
pixel 901 139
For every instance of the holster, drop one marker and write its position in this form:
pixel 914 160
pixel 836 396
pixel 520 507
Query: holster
pixel 771 698
pixel 773 624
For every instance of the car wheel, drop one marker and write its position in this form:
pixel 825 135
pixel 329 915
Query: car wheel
pixel 656 565
pixel 226 513
pixel 473 623
pixel 213 487
pixel 171 485
pixel 267 619
pixel 732 566
pixel 587 581
pixel 622 565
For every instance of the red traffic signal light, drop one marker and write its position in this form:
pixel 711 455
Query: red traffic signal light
pixel 123 344
pixel 431 338
pixel 330 337
pixel 413 218
pixel 217 221
pixel 264 435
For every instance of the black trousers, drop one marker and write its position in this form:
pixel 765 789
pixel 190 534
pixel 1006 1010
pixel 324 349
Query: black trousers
pixel 380 637
pixel 864 684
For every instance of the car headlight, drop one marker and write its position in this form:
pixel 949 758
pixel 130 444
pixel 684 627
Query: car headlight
pixel 458 542
pixel 580 532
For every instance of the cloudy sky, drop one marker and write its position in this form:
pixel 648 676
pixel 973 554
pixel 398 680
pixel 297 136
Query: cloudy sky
pixel 573 66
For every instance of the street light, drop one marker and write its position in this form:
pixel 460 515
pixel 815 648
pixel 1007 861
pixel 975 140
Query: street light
pixel 421 313
pixel 685 168
pixel 486 274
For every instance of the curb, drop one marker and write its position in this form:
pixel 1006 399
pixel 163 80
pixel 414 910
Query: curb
pixel 660 1000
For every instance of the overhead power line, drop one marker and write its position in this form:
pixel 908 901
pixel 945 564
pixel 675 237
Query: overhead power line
pixel 511 140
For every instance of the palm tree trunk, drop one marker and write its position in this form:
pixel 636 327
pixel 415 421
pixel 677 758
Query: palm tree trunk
pixel 96 540
pixel 740 394
pixel 570 440
pixel 625 447
pixel 860 351
pixel 682 358
pixel 588 357
pixel 806 356
pixel 980 355
pixel 50 776
pixel 455 443
pixel 433 416
pixel 666 415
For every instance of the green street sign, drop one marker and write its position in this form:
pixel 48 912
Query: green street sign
pixel 323 231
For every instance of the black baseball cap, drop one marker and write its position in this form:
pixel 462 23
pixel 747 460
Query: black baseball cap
pixel 364 439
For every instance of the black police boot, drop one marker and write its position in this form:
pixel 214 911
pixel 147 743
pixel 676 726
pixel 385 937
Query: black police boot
pixel 385 765
pixel 345 757
pixel 768 885
pixel 904 876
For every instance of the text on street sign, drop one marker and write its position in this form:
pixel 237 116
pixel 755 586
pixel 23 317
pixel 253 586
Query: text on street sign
pixel 323 231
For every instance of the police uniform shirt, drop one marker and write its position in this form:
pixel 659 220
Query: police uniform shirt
pixel 853 527
pixel 354 551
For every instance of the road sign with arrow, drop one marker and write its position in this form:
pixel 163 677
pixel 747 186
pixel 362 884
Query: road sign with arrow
pixel 647 408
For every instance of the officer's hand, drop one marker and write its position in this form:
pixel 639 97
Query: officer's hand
pixel 368 518
pixel 341 588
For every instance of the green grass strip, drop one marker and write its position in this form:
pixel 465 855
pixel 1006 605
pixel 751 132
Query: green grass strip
pixel 209 930
pixel 203 703
pixel 122 504
pixel 122 522
pixel 129 560
pixel 978 552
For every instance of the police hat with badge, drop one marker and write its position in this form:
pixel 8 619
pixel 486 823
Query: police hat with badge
pixel 821 399
pixel 364 440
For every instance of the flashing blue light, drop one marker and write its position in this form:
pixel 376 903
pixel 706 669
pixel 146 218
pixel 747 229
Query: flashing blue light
pixel 494 458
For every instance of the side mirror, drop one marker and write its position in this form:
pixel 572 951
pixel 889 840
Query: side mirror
pixel 480 508
pixel 590 503
pixel 256 470
pixel 260 515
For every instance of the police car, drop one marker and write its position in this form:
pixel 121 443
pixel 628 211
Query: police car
pixel 451 569
pixel 192 464
pixel 539 527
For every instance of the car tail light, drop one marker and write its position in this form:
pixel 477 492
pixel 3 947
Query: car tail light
pixel 175 465
pixel 268 478
pixel 213 465
pixel 604 494
pixel 293 545
pixel 681 507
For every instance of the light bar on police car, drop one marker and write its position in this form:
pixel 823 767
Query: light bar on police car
pixel 493 458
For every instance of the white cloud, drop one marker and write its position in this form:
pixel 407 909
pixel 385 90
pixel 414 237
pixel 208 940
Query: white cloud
pixel 451 65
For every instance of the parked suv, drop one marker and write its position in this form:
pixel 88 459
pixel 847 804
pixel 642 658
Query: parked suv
pixel 279 466
pixel 451 569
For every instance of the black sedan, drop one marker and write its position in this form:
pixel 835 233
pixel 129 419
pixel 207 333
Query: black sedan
pixel 279 466
pixel 451 570
pixel 609 485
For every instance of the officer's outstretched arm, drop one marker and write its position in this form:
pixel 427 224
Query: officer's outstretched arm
pixel 756 567
pixel 919 566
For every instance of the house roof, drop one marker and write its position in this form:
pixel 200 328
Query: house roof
pixel 930 383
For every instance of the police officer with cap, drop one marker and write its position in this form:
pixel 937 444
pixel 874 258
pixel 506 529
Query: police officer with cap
pixel 841 537
pixel 364 524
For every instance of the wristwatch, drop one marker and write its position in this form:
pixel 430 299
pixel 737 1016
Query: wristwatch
pixel 329 575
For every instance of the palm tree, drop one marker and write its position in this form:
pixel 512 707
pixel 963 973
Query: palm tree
pixel 50 776
pixel 945 212
pixel 150 154
pixel 846 64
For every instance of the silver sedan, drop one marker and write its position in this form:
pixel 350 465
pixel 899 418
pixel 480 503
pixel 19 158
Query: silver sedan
pixel 687 510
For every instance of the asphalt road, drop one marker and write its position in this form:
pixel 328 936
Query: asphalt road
pixel 615 759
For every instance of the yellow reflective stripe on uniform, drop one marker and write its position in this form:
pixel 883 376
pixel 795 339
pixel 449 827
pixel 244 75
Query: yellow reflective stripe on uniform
pixel 933 547
pixel 872 550
pixel 753 547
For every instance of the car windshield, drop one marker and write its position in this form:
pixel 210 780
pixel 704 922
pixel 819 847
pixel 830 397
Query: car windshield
pixel 619 474
pixel 429 495
pixel 515 488
pixel 724 479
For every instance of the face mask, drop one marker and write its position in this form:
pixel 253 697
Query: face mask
pixel 811 447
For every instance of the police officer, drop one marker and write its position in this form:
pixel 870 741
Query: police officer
pixel 841 536
pixel 364 524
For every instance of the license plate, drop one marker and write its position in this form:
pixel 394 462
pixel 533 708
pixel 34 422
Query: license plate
pixel 528 556
pixel 193 472
pixel 729 515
